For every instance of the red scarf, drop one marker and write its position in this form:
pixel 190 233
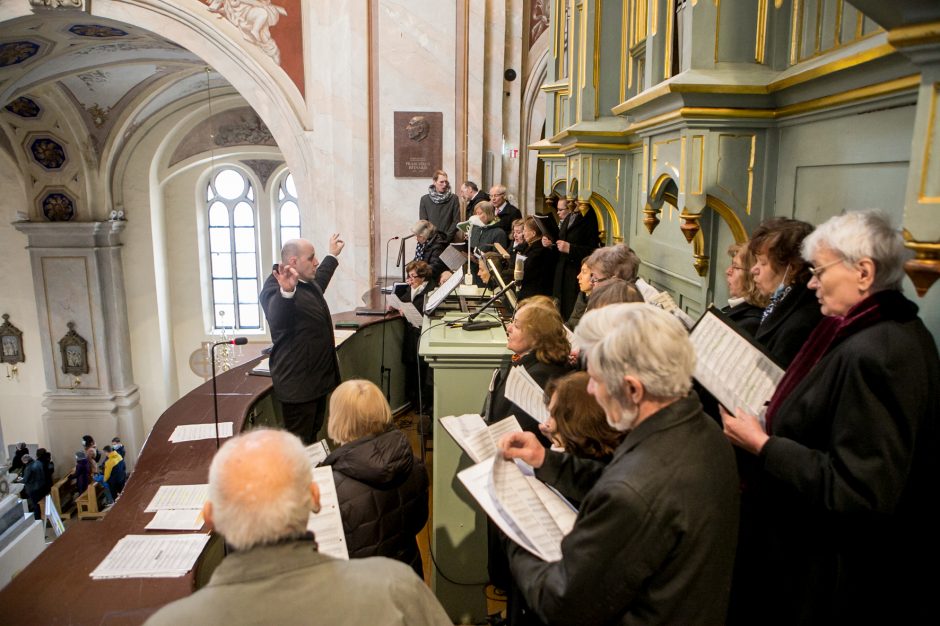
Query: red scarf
pixel 879 306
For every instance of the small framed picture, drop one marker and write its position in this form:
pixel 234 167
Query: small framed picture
pixel 74 352
pixel 11 342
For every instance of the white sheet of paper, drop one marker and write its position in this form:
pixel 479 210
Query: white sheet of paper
pixel 327 525
pixel 731 368
pixel 477 439
pixel 516 499
pixel 407 309
pixel 477 479
pixel 263 367
pixel 524 392
pixel 317 452
pixel 453 258
pixel 182 519
pixel 196 432
pixel 151 556
pixel 663 300
pixel 178 497
pixel 433 300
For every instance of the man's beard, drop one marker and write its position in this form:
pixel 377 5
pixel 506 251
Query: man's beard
pixel 628 414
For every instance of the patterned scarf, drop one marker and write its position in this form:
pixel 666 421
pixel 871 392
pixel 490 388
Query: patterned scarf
pixel 775 299
pixel 419 250
pixel 439 198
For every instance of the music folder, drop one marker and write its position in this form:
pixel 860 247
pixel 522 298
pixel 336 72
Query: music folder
pixel 547 225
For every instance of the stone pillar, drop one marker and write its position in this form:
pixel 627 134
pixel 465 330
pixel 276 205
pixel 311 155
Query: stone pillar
pixel 78 276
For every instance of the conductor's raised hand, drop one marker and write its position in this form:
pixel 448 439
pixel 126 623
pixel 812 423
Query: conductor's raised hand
pixel 525 446
pixel 286 277
pixel 336 244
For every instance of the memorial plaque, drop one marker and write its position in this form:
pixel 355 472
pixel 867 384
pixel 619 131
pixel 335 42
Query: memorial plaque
pixel 418 143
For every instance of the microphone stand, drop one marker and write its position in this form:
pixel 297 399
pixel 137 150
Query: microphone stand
pixel 486 304
pixel 238 341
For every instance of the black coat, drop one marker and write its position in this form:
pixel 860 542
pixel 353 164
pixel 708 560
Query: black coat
pixel 383 496
pixel 845 508
pixel 431 254
pixel 475 200
pixel 508 215
pixel 745 316
pixel 537 271
pixel 303 358
pixel 654 540
pixel 785 330
pixel 497 407
pixel 581 231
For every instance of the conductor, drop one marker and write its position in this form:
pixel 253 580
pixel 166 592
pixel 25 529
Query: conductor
pixel 304 368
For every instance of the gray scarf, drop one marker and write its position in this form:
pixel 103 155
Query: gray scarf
pixel 439 198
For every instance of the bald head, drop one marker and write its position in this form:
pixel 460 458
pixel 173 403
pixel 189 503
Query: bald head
pixel 301 255
pixel 260 489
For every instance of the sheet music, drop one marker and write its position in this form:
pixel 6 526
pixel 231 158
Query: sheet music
pixel 663 300
pixel 341 334
pixel 263 368
pixel 196 432
pixel 524 392
pixel 733 370
pixel 151 556
pixel 317 452
pixel 327 525
pixel 179 497
pixel 182 519
pixel 432 301
pixel 477 479
pixel 476 438
pixel 453 257
pixel 407 309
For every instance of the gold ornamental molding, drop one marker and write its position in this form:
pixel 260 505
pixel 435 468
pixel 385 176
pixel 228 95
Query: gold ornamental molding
pixel 602 147
pixel 806 75
pixel 916 35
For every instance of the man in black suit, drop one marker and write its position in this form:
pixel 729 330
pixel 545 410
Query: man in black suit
pixel 472 194
pixel 304 368
pixel 577 238
pixel 506 212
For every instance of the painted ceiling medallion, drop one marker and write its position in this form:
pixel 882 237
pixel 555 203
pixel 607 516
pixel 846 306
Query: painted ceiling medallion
pixel 16 52
pixel 58 207
pixel 98 115
pixel 96 30
pixel 24 107
pixel 48 153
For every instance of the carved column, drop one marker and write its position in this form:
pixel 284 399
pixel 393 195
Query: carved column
pixel 78 276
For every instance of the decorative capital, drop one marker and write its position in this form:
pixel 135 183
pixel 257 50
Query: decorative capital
pixel 651 221
pixel 690 225
pixel 700 264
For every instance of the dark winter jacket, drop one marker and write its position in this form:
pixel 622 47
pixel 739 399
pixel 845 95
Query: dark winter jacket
pixel 383 496
pixel 784 331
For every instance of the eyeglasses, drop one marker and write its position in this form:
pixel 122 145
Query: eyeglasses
pixel 738 268
pixel 818 271
pixel 595 279
pixel 412 277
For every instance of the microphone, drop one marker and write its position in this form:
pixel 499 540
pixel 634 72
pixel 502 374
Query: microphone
pixel 486 305
pixel 238 341
pixel 518 272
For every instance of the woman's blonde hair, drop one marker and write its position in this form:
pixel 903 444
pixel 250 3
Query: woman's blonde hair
pixel 543 324
pixel 488 210
pixel 357 409
pixel 752 294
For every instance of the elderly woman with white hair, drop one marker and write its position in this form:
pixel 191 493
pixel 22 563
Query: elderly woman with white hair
pixel 430 244
pixel 849 454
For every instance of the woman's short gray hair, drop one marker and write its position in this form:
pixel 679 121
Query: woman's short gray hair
pixel 647 343
pixel 259 488
pixel 619 261
pixel 855 235
pixel 424 228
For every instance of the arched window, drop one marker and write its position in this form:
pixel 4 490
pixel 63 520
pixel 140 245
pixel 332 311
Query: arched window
pixel 234 255
pixel 288 212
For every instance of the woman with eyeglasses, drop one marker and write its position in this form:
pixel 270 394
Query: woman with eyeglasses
pixel 849 459
pixel 745 301
pixel 781 275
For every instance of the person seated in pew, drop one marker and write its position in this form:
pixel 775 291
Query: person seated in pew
pixel 654 539
pixel 537 339
pixel 382 487
pixel 82 472
pixel 260 499
pixel 118 447
pixel 115 471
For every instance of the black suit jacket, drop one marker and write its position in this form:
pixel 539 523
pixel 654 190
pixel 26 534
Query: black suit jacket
pixel 507 217
pixel 303 358
pixel 537 271
pixel 480 197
